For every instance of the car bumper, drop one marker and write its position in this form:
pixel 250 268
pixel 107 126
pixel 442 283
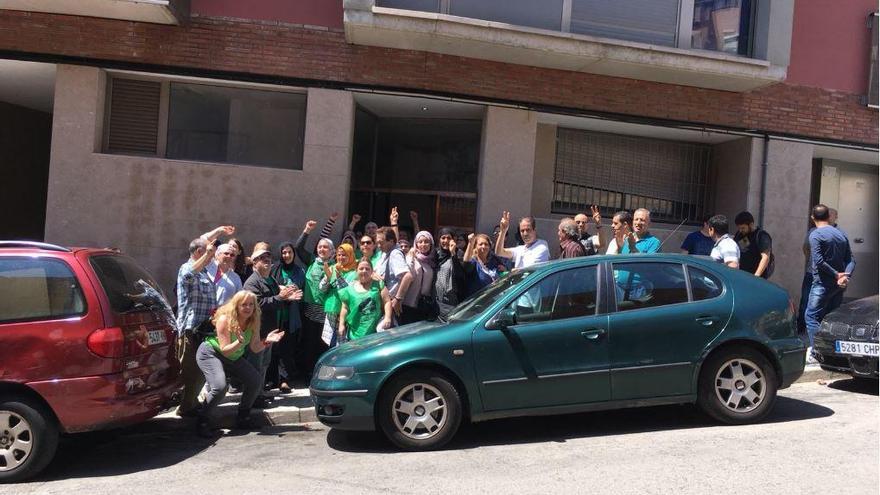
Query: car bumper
pixel 344 409
pixel 101 402
pixel 830 360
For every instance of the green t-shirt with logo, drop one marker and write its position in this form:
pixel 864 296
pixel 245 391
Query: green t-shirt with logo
pixel 332 304
pixel 311 292
pixel 365 309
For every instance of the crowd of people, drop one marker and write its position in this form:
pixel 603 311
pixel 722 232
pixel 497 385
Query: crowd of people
pixel 259 322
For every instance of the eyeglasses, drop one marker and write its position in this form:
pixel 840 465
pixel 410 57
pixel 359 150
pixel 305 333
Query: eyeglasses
pixel 366 242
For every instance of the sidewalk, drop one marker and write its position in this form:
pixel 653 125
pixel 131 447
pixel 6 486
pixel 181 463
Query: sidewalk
pixel 297 407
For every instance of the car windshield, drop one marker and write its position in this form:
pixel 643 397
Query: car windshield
pixel 478 303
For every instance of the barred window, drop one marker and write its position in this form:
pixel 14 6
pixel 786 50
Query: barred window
pixel 672 179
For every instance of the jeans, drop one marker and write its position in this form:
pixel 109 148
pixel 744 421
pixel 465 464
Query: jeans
pixel 806 285
pixel 216 368
pixel 193 379
pixel 822 300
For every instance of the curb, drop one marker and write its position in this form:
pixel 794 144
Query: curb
pixel 297 407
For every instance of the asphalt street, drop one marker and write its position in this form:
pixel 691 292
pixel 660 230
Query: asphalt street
pixel 819 439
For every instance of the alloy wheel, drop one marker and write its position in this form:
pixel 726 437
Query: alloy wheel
pixel 740 385
pixel 16 440
pixel 419 411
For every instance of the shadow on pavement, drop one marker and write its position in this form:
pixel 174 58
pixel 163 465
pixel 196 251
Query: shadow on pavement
pixel 864 386
pixel 155 444
pixel 584 425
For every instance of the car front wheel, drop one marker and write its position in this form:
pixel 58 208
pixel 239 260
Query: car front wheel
pixel 419 410
pixel 28 438
pixel 737 385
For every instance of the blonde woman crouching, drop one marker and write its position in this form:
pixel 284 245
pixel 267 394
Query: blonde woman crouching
pixel 220 355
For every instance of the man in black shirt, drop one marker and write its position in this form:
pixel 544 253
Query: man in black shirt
pixel 755 246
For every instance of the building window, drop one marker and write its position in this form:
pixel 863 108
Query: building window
pixel 38 289
pixel 670 178
pixel 723 25
pixel 644 21
pixel 201 122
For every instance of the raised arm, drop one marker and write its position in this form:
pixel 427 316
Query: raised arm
pixel 469 250
pixel 206 258
pixel 414 216
pixel 600 232
pixel 328 227
pixel 392 219
pixel 300 246
pixel 500 250
pixel 217 232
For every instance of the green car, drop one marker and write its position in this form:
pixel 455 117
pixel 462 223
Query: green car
pixel 583 334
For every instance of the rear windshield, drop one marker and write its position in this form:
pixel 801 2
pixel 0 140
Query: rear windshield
pixel 128 286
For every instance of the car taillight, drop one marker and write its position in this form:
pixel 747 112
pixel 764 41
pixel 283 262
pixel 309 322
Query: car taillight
pixel 107 342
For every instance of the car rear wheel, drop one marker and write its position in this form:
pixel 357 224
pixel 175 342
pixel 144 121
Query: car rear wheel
pixel 419 410
pixel 737 385
pixel 28 438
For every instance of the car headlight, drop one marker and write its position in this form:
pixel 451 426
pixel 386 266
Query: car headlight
pixel 335 372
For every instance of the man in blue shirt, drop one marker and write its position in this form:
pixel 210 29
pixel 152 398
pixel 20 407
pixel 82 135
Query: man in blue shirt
pixel 832 264
pixel 640 240
pixel 699 242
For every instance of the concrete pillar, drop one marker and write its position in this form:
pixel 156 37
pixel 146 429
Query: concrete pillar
pixel 787 208
pixel 737 176
pixel 507 162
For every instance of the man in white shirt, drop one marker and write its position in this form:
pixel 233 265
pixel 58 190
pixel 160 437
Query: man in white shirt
pixel 221 270
pixel 726 250
pixel 533 251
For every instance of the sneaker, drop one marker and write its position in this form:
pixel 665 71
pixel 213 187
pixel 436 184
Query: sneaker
pixel 284 388
pixel 811 358
pixel 262 403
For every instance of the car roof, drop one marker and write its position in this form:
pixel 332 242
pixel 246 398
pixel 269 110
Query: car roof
pixel 30 247
pixel 625 257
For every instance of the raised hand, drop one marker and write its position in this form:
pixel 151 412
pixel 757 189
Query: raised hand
pixel 355 218
pixel 210 248
pixel 414 215
pixel 597 217
pixel 334 216
pixel 394 216
pixel 452 245
pixel 228 229
pixel 471 238
pixel 310 226
pixel 504 223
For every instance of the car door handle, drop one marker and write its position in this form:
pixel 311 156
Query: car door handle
pixel 707 321
pixel 593 334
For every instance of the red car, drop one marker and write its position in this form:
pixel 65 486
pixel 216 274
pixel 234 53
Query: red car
pixel 87 342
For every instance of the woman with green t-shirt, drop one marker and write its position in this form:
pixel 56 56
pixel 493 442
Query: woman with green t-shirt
pixel 335 279
pixel 366 305
pixel 220 355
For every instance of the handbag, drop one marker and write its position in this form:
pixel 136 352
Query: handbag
pixel 204 330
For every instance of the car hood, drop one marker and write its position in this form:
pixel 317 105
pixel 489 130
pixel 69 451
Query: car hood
pixel 378 342
pixel 861 311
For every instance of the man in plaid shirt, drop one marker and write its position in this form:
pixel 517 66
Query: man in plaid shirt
pixel 196 302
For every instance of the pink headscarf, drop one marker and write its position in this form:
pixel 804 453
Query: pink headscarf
pixel 427 259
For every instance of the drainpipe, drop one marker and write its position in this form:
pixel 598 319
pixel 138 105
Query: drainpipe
pixel 763 196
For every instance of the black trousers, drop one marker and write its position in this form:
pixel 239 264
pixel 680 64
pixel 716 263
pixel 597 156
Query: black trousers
pixel 284 355
pixel 310 346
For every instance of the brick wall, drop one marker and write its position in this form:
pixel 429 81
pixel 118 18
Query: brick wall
pixel 321 54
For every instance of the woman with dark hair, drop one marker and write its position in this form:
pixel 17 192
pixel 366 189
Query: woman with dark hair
pixel 366 305
pixel 449 284
pixel 369 250
pixel 310 344
pixel 335 279
pixel 286 273
pixel 419 302
pixel 481 266
pixel 239 266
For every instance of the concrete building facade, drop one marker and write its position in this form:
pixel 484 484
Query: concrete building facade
pixel 459 114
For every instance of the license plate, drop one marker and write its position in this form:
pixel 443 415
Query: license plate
pixel 156 337
pixel 857 348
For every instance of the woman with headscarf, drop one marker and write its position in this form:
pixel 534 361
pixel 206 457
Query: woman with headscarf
pixel 286 273
pixel 449 284
pixel 310 346
pixel 419 302
pixel 336 278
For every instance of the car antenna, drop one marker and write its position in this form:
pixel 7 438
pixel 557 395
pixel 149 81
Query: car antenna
pixel 671 234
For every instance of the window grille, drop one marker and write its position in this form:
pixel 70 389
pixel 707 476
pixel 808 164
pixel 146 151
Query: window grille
pixel 671 179
pixel 134 116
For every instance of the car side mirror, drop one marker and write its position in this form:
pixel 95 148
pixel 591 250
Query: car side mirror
pixel 503 319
